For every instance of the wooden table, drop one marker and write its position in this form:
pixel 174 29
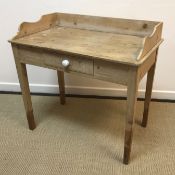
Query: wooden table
pixel 110 49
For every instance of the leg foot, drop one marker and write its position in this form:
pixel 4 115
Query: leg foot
pixel 127 147
pixel 31 121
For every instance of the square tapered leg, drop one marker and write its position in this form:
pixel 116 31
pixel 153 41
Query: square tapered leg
pixel 23 79
pixel 149 86
pixel 131 105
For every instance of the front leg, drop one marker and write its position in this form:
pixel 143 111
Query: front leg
pixel 24 83
pixel 131 105
pixel 23 79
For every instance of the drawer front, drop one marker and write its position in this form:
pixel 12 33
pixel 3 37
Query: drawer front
pixel 112 72
pixel 54 60
pixel 75 64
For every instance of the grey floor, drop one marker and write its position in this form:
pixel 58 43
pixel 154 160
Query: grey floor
pixel 84 137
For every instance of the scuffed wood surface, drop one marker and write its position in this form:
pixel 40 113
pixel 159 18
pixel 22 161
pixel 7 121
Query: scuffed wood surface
pixel 152 40
pixel 28 28
pixel 113 39
pixel 107 24
pixel 109 46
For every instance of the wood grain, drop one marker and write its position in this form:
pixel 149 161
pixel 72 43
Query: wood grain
pixel 146 65
pixel 28 28
pixel 132 91
pixel 108 46
pixel 149 86
pixel 23 79
pixel 113 39
pixel 53 60
pixel 107 24
pixel 116 73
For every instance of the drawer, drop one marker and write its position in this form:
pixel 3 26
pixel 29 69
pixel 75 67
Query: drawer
pixel 112 72
pixel 55 60
pixel 75 63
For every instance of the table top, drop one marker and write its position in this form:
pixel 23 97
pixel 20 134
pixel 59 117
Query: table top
pixel 117 46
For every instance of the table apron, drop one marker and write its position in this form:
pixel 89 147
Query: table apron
pixel 94 68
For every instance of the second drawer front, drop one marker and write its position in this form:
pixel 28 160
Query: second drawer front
pixel 112 72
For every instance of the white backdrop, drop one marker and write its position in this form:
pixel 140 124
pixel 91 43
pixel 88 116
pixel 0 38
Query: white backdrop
pixel 12 13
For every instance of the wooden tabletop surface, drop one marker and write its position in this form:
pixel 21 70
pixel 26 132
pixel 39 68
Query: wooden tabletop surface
pixel 109 46
pixel 113 39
